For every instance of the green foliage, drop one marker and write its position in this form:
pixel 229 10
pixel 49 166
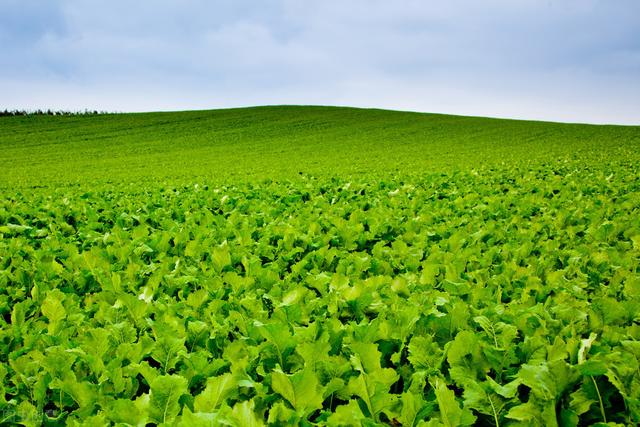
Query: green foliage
pixel 302 390
pixel 164 400
pixel 215 394
pixel 318 266
pixel 450 412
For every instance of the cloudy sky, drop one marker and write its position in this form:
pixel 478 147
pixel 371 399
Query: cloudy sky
pixel 569 60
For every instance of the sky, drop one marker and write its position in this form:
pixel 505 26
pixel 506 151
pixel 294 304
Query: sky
pixel 570 60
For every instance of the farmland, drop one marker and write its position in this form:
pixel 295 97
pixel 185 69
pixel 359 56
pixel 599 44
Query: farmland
pixel 318 266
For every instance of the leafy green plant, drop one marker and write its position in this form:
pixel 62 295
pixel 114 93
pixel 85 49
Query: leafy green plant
pixel 493 279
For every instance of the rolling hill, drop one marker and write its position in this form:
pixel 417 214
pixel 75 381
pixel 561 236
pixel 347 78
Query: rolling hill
pixel 278 142
pixel 318 266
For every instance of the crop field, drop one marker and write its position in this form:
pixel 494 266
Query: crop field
pixel 318 266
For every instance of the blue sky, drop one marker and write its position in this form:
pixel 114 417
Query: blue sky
pixel 571 60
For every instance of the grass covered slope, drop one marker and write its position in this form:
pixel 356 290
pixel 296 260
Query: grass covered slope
pixel 279 142
pixel 318 266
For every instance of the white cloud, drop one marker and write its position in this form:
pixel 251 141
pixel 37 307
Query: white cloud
pixel 571 60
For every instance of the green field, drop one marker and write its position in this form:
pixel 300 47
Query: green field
pixel 318 266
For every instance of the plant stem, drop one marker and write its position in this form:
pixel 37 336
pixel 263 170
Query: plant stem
pixel 493 408
pixel 604 417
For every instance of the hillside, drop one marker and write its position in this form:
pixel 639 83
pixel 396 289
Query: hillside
pixel 280 142
pixel 318 266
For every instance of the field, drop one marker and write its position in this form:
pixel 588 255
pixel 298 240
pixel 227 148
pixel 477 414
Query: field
pixel 318 266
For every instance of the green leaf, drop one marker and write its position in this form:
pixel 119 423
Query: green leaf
pixel 18 314
pixel 281 414
pixel 278 336
pixel 217 391
pixel 244 414
pixel 540 380
pixel 374 383
pixel 548 381
pixel 126 411
pixel 632 284
pixel 198 419
pixel 580 402
pixel 53 309
pixel 463 349
pixel 425 354
pixel 481 398
pixel 82 392
pixel 315 354
pixel 27 414
pixel 168 350
pixel 526 412
pixel 585 345
pixel 221 257
pixel 508 390
pixel 12 229
pixel 166 391
pixel 3 375
pixel 413 408
pixel 592 367
pixel 346 415
pixel 451 414
pixel 302 390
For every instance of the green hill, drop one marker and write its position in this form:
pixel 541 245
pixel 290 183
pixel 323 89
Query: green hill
pixel 279 142
pixel 318 266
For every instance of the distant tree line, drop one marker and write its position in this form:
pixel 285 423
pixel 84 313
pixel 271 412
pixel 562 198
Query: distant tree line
pixel 5 113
